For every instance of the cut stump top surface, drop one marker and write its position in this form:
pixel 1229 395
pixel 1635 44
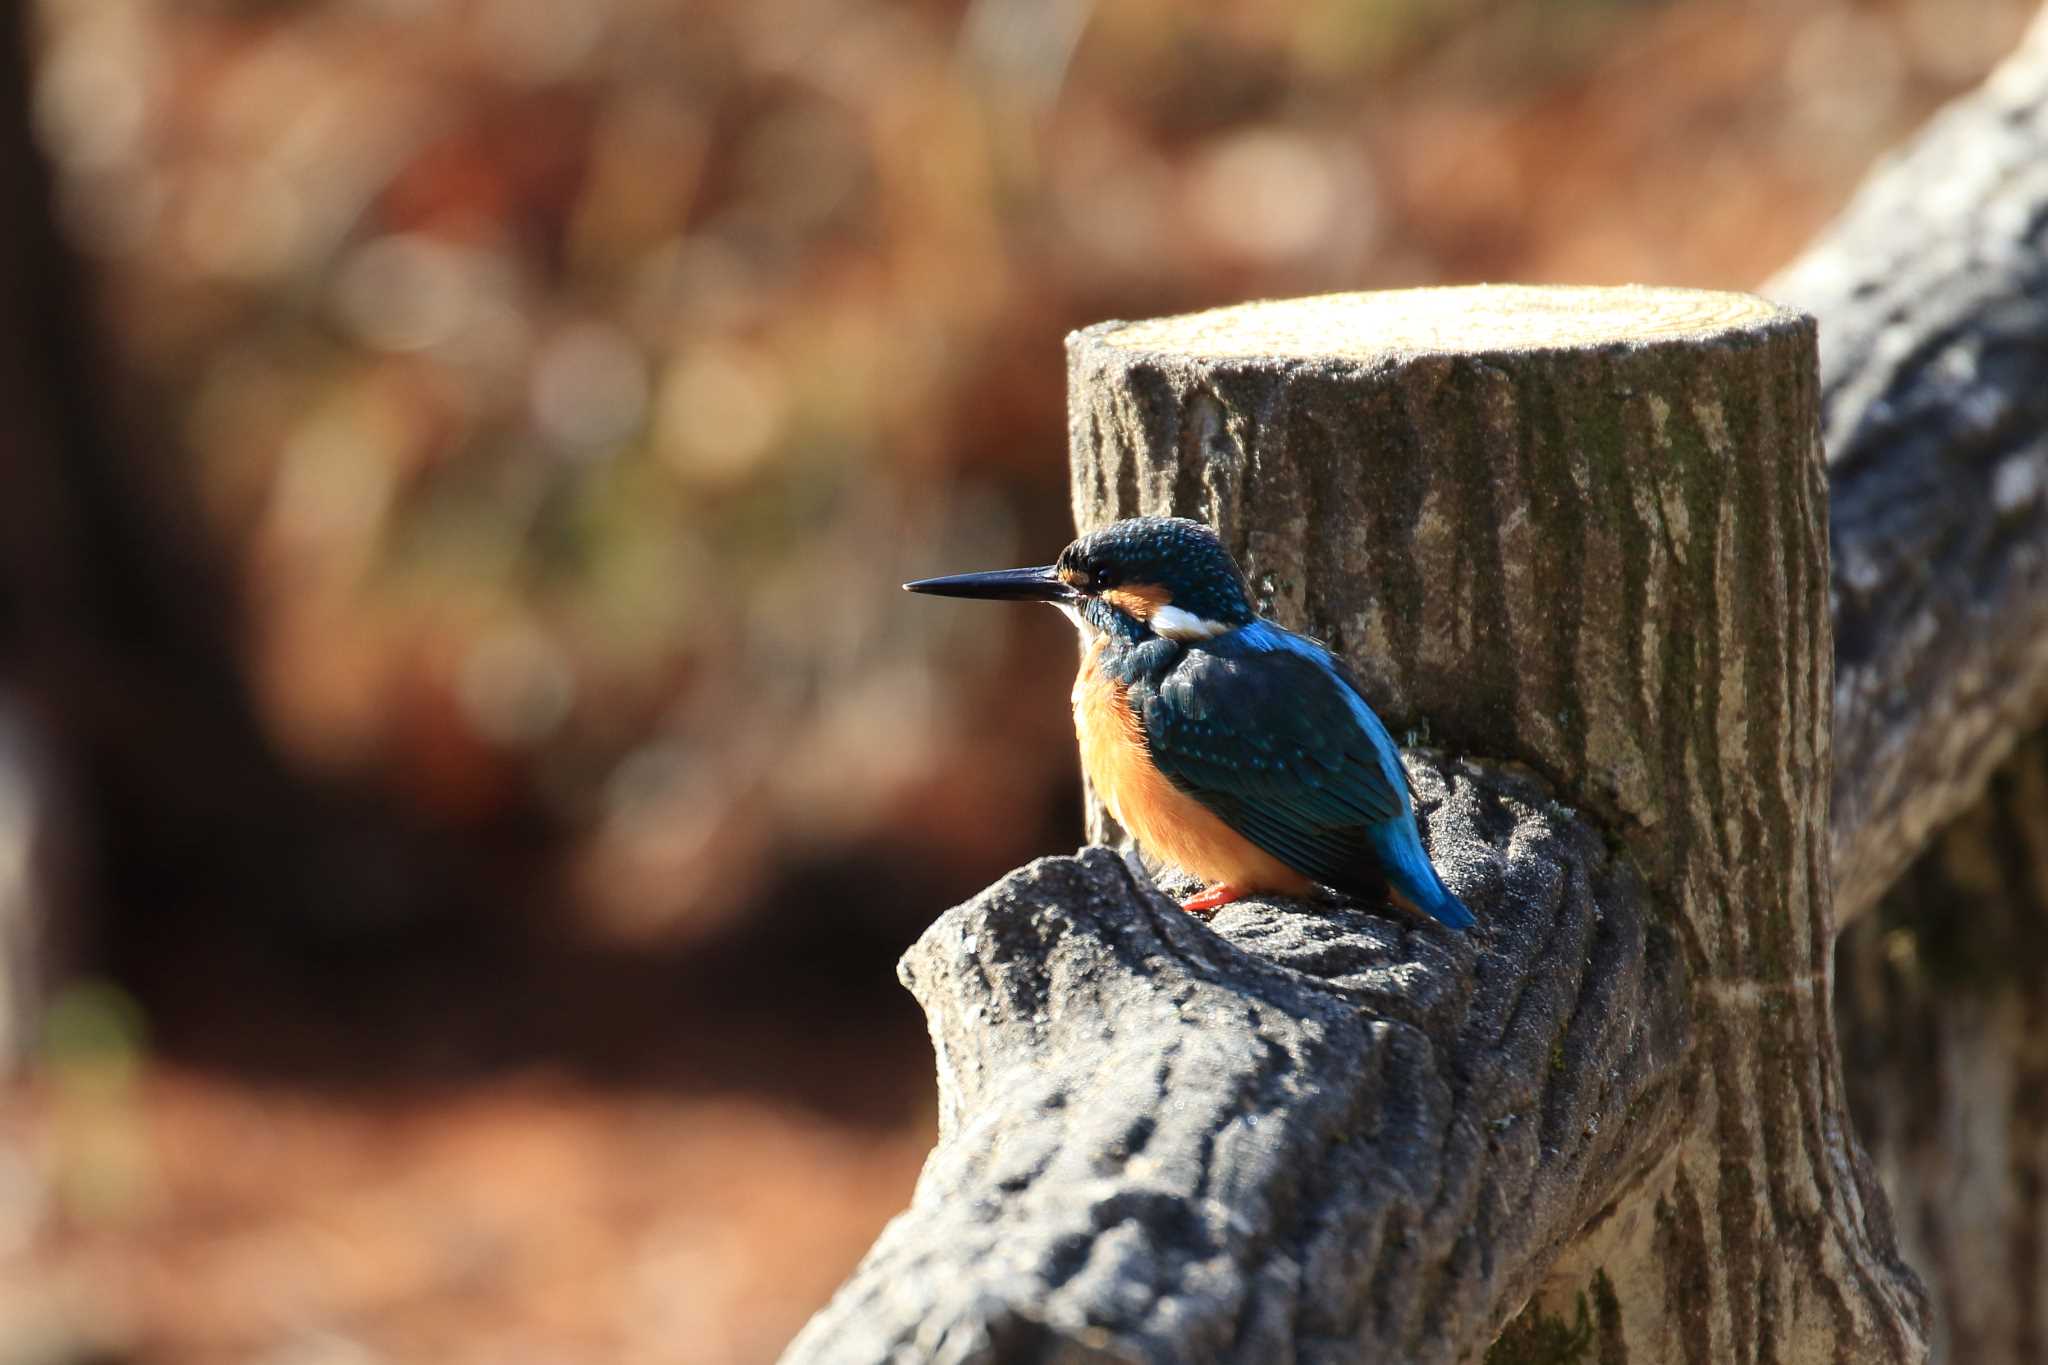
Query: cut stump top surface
pixel 1463 319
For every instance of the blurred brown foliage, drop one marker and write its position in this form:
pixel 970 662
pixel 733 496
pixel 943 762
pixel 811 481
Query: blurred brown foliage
pixel 568 385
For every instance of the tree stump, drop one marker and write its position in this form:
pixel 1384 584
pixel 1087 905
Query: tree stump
pixel 1580 535
pixel 1581 528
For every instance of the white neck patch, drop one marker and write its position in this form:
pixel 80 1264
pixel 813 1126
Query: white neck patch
pixel 1073 613
pixel 1184 626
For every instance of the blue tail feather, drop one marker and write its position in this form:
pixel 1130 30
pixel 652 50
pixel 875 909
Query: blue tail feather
pixel 1409 872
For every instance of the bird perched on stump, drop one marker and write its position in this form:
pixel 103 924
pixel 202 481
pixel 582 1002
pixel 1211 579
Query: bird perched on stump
pixel 1235 749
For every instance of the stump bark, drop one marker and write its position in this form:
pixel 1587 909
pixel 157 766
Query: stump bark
pixel 1581 535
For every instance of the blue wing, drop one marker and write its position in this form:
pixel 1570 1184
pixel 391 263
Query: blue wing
pixel 1266 729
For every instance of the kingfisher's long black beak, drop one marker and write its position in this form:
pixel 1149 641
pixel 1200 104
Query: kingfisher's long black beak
pixel 1005 585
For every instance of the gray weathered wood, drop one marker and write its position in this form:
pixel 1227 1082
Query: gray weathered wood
pixel 1932 292
pixel 1594 530
pixel 1287 1136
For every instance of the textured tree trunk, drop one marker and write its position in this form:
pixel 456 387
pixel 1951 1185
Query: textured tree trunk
pixel 1609 564
pixel 1569 526
pixel 1580 530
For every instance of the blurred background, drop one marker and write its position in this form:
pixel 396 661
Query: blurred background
pixel 466 770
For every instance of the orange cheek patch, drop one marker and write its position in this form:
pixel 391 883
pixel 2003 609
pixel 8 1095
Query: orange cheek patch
pixel 1139 600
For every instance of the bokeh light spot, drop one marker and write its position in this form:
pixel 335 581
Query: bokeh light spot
pixel 589 386
pixel 721 410
pixel 403 292
pixel 1267 194
pixel 517 686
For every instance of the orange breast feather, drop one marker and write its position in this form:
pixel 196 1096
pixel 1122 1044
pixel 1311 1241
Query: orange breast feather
pixel 1166 820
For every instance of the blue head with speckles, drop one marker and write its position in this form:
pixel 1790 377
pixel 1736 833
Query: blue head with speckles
pixel 1166 573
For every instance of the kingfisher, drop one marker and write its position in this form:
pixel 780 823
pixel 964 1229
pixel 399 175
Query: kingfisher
pixel 1233 748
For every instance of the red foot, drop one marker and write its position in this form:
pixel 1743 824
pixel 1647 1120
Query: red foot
pixel 1221 894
